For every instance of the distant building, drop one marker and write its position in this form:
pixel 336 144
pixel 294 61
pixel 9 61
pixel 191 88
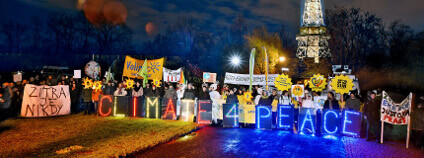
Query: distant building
pixel 313 38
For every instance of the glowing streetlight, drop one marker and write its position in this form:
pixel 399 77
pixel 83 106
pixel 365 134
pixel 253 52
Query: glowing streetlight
pixel 235 60
pixel 282 59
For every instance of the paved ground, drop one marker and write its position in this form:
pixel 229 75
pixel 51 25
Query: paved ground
pixel 242 142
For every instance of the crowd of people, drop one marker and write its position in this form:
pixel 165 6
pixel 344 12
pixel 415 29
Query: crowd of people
pixel 87 99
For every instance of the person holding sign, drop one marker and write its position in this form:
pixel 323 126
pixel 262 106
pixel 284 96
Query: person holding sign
pixel 372 115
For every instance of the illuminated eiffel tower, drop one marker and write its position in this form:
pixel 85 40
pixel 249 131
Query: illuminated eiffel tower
pixel 313 38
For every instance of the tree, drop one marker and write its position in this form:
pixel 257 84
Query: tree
pixel 260 38
pixel 400 38
pixel 355 34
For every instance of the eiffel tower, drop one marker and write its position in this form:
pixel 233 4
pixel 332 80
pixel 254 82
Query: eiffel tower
pixel 313 38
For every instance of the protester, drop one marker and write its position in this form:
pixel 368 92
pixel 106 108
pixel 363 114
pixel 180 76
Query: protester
pixel 353 103
pixel 285 99
pixel 275 100
pixel 109 88
pixel 372 112
pixel 137 91
pixel 120 91
pixel 95 98
pixel 87 99
pixel 170 93
pixel 204 94
pixel 74 98
pixel 216 104
pixel 265 100
pixel 232 98
pixel 189 92
pixel 258 97
pixel 331 102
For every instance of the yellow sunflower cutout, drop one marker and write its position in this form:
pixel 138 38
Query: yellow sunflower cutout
pixel 97 86
pixel 297 90
pixel 129 83
pixel 156 82
pixel 342 84
pixel 87 83
pixel 317 83
pixel 283 82
pixel 247 96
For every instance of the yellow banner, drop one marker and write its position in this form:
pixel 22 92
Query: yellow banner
pixel 154 68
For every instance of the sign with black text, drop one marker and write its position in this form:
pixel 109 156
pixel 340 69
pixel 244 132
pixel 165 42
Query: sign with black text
pixel 45 101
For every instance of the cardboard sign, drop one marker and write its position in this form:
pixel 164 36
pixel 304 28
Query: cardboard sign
pixel 285 117
pixel 17 77
pixel 395 113
pixel 247 113
pixel 351 123
pixel 169 109
pixel 330 122
pixel 45 101
pixel 231 115
pixel 187 110
pixel 263 117
pixel 209 77
pixel 152 107
pixel 77 73
pixel 307 120
pixel 105 105
pixel 204 111
pixel 120 105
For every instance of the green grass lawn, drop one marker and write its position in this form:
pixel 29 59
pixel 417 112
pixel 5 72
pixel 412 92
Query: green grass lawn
pixel 85 135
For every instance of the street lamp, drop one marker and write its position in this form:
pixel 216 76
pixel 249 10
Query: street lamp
pixel 282 59
pixel 235 61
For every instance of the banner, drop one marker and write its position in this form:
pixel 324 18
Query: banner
pixel 243 79
pixel 395 113
pixel 209 77
pixel 154 68
pixel 44 101
pixel 171 75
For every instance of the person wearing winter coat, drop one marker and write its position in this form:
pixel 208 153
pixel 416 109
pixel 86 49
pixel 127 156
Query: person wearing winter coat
pixel 258 96
pixel 204 94
pixel 95 97
pixel 189 92
pixel 137 91
pixel 87 99
pixel 265 100
pixel 74 98
pixel 372 113
pixel 331 102
pixel 170 93
pixel 353 103
pixel 232 98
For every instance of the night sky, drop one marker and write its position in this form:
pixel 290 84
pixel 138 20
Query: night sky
pixel 270 13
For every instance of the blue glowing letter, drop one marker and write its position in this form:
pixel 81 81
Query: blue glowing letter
pixel 325 122
pixel 308 117
pixel 282 115
pixel 349 121
pixel 259 116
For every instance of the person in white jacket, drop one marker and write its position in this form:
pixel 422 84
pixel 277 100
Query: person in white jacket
pixel 216 105
pixel 180 95
pixel 120 91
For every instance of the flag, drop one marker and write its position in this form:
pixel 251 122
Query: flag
pixel 182 78
pixel 251 67
pixel 143 73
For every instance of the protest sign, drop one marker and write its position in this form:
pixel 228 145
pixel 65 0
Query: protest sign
pixel 243 79
pixel 44 101
pixel 168 109
pixel 307 120
pixel 231 115
pixel 209 77
pixel 285 117
pixel 17 77
pixel 263 117
pixel 187 110
pixel 204 111
pixel 171 75
pixel 298 91
pixel 77 73
pixel 154 68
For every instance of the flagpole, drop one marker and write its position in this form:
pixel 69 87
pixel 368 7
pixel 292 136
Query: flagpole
pixel 251 67
pixel 266 69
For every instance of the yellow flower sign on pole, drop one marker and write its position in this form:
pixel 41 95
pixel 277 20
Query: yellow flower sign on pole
pixel 247 96
pixel 97 86
pixel 317 83
pixel 87 83
pixel 342 84
pixel 283 82
pixel 156 82
pixel 129 83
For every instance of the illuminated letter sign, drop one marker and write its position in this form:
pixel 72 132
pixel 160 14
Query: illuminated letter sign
pixel 285 119
pixel 169 112
pixel 152 107
pixel 351 123
pixel 187 110
pixel 330 122
pixel 263 117
pixel 136 107
pixel 105 102
pixel 230 113
pixel 120 105
pixel 306 120
pixel 204 111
